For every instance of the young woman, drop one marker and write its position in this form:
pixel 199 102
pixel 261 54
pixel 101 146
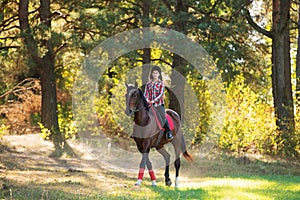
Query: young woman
pixel 154 93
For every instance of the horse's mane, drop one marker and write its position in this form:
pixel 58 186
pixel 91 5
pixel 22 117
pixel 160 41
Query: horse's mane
pixel 144 99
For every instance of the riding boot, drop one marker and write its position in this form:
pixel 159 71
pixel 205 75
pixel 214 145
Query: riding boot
pixel 168 132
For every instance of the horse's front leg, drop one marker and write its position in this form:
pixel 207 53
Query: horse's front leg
pixel 145 161
pixel 151 173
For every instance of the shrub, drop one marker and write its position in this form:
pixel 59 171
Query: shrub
pixel 65 121
pixel 249 122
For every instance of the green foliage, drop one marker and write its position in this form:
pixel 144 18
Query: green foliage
pixel 297 139
pixel 108 116
pixel 201 115
pixel 35 118
pixel 110 103
pixel 3 128
pixel 65 121
pixel 297 130
pixel 45 133
pixel 250 123
pixel 78 26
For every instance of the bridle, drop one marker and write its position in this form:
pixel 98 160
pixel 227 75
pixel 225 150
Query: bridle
pixel 137 110
pixel 136 103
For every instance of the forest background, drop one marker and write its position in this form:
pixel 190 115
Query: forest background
pixel 252 43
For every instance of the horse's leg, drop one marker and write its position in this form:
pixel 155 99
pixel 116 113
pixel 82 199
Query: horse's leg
pixel 166 156
pixel 177 147
pixel 177 166
pixel 145 159
pixel 151 172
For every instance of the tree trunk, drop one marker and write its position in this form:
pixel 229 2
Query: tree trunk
pixel 297 104
pixel 49 101
pixel 281 71
pixel 178 64
pixel 178 84
pixel 45 66
pixel 146 51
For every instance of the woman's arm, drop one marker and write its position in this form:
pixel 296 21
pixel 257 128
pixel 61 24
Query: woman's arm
pixel 161 92
pixel 146 93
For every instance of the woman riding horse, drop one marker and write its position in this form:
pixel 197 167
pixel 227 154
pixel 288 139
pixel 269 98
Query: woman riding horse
pixel 147 135
pixel 154 93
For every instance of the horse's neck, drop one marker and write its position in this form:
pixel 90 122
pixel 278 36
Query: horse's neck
pixel 141 118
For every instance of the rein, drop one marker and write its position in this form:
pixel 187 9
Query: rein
pixel 137 110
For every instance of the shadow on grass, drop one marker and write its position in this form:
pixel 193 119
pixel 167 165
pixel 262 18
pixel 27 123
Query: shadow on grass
pixel 56 189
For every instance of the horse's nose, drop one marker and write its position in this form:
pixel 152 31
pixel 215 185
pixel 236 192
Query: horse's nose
pixel 128 112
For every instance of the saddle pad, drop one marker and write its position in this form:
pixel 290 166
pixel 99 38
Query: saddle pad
pixel 168 117
pixel 171 123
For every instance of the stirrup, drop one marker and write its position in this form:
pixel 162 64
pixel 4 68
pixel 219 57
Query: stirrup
pixel 168 134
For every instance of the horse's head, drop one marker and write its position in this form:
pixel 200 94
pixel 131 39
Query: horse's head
pixel 131 98
pixel 134 99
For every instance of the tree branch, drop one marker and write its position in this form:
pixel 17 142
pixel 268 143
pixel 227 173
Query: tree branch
pixel 26 84
pixel 167 5
pixel 161 60
pixel 9 47
pixel 26 32
pixel 58 49
pixel 255 25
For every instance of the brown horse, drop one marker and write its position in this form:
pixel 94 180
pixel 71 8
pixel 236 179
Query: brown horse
pixel 147 135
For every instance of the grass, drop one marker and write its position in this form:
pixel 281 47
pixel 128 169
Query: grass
pixel 242 187
pixel 86 185
pixel 246 187
pixel 217 176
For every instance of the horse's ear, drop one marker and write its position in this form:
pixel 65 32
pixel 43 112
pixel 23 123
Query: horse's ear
pixel 136 85
pixel 126 84
pixel 141 92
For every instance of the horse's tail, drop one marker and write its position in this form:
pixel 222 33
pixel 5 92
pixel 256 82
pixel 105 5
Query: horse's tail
pixel 185 153
pixel 188 156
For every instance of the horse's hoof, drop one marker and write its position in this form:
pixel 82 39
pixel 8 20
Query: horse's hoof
pixel 168 183
pixel 176 182
pixel 153 183
pixel 138 183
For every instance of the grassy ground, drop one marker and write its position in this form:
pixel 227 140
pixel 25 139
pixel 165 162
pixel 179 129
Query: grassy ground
pixel 27 172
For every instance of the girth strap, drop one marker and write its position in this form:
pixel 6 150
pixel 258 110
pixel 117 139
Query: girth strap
pixel 161 133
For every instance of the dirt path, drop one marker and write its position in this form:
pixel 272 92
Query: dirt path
pixel 26 168
pixel 30 151
pixel 25 162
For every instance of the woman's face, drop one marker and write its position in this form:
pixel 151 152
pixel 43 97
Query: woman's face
pixel 155 75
